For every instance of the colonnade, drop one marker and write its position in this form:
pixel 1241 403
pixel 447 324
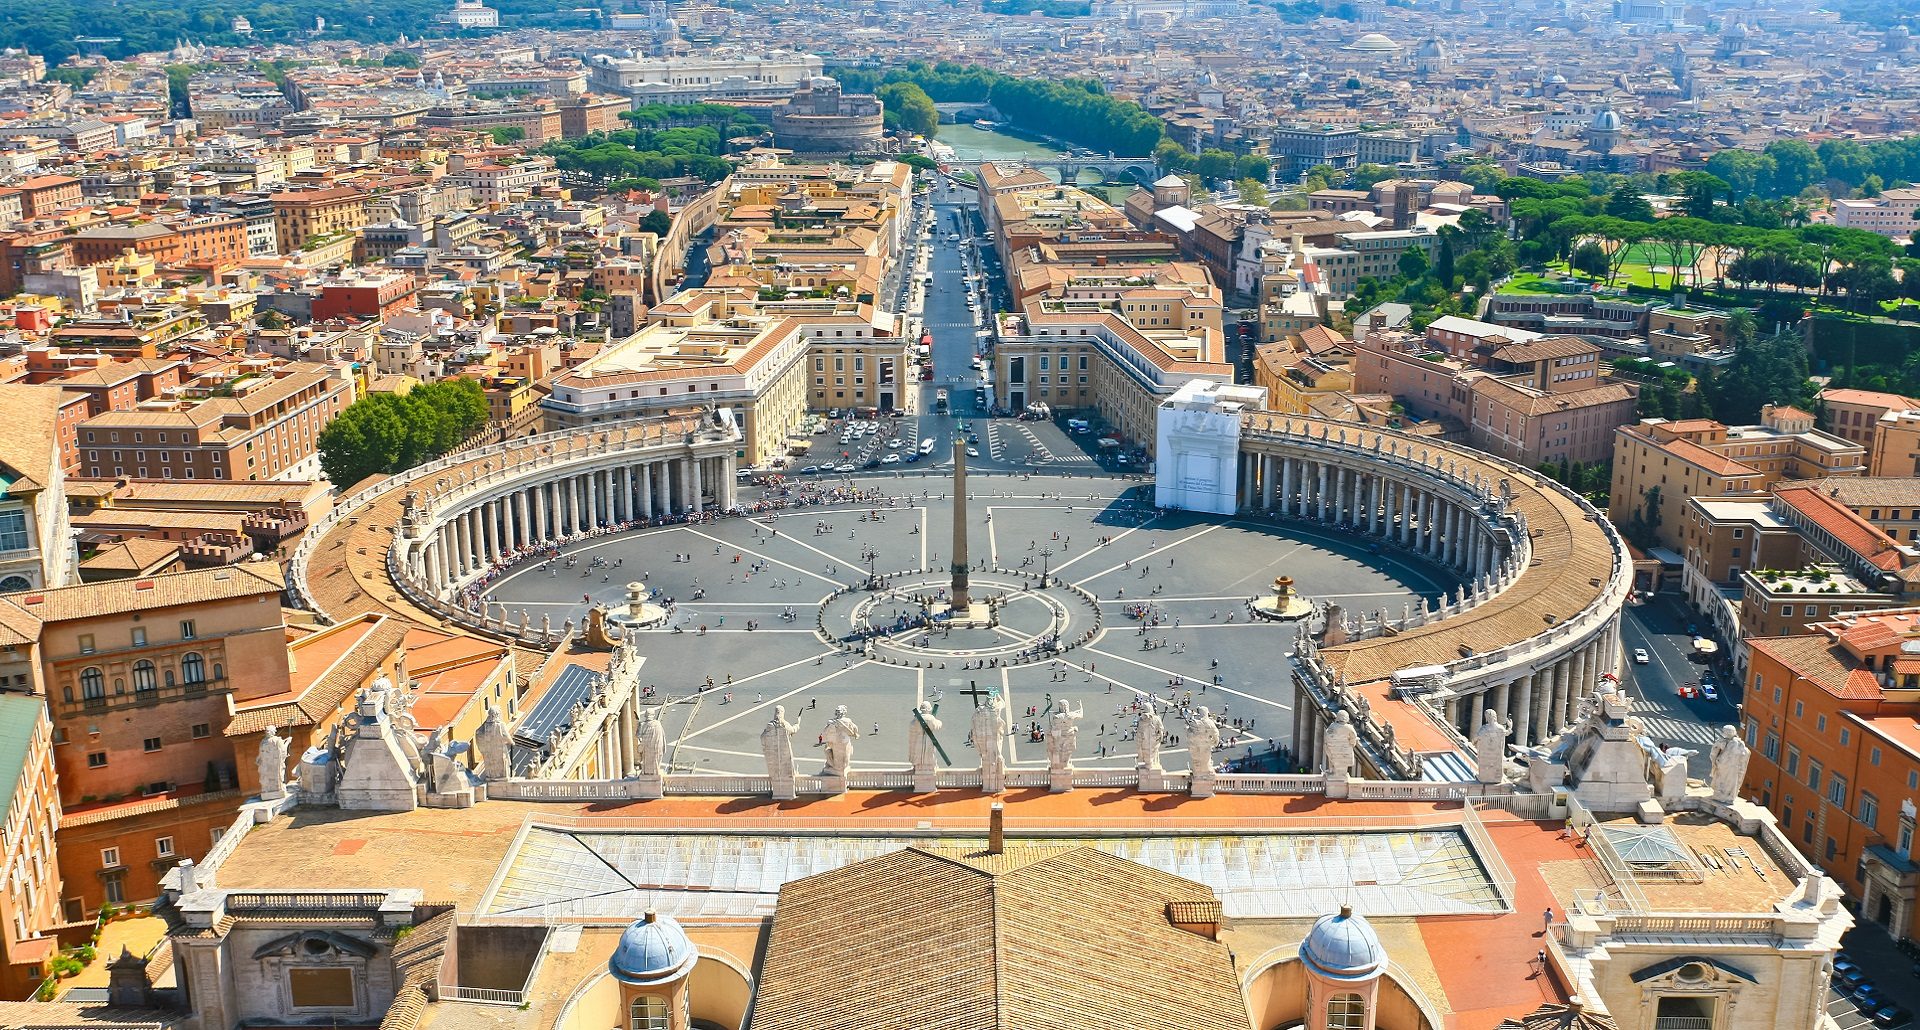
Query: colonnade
pixel 499 524
pixel 1426 518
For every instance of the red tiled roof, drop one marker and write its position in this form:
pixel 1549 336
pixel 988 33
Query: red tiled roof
pixel 1853 532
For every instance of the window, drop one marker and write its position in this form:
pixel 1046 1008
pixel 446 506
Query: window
pixel 322 987
pixel 201 730
pixel 143 678
pixel 1793 761
pixel 1873 756
pixel 186 629
pixel 1346 1012
pixel 86 643
pixel 1837 790
pixel 13 531
pixel 650 1013
pixel 109 857
pixel 1772 748
pixel 151 744
pixel 1820 723
pixel 193 668
pixel 92 683
pixel 1869 810
pixel 1845 736
pixel 1813 774
pixel 96 759
pixel 163 847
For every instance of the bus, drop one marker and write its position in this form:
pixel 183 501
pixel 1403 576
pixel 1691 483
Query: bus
pixel 940 399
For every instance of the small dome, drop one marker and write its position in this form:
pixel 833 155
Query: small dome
pixel 653 950
pixel 1556 79
pixel 1606 121
pixel 1343 947
pixel 1374 41
pixel 1170 180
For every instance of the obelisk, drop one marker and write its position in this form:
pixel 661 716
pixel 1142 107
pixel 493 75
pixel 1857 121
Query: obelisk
pixel 960 605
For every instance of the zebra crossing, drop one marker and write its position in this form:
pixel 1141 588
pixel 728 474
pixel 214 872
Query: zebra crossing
pixel 1667 729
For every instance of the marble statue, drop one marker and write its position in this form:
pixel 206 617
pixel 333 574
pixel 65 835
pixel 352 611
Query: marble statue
pixel 776 745
pixel 495 748
pixel 1729 757
pixel 1671 770
pixel 923 755
pixel 840 733
pixel 1148 732
pixel 272 765
pixel 1063 736
pixel 650 743
pixel 445 774
pixel 1203 735
pixel 990 742
pixel 1490 748
pixel 1340 744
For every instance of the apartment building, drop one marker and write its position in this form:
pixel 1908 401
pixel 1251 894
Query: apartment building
pixel 30 911
pixel 35 549
pixel 1833 717
pixel 138 675
pixel 1536 400
pixel 1854 415
pixel 263 422
pixel 1889 214
pixel 1657 463
pixel 303 215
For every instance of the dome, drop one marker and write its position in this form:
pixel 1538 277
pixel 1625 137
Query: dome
pixel 1556 79
pixel 653 950
pixel 1375 42
pixel 1343 947
pixel 1606 121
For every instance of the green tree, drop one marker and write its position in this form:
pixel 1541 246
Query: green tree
pixel 1590 258
pixel 1698 191
pixel 1625 202
pixel 388 433
pixel 656 222
pixel 1215 165
pixel 1413 263
pixel 910 107
pixel 1252 191
pixel 505 134
pixel 400 59
pixel 1795 167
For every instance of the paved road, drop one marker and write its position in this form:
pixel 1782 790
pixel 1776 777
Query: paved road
pixel 1660 627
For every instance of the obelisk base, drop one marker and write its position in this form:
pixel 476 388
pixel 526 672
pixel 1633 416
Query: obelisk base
pixel 975 614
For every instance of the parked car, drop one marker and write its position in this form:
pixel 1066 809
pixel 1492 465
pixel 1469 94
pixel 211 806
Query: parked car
pixel 1851 978
pixel 1890 1016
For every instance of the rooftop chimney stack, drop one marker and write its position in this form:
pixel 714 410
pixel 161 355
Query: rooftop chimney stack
pixel 997 829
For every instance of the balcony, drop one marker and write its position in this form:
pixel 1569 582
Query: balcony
pixel 144 698
pixel 1683 1023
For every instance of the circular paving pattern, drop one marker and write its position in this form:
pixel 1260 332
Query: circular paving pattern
pixel 788 617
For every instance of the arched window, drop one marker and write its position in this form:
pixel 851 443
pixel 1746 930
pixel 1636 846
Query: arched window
pixel 92 683
pixel 13 583
pixel 650 1013
pixel 193 668
pixel 143 678
pixel 1346 1012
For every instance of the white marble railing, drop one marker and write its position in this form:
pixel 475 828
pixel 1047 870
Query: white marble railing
pixel 1279 783
pixel 1404 790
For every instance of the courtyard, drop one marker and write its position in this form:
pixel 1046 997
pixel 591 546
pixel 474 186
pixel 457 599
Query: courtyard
pixel 819 607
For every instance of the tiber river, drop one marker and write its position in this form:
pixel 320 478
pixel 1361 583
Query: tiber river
pixel 973 145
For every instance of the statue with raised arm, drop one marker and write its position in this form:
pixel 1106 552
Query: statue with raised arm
pixel 1203 735
pixel 840 733
pixel 990 743
pixel 272 765
pixel 1341 745
pixel 1729 757
pixel 1148 732
pixel 776 745
pixel 492 742
pixel 1063 736
pixel 650 744
pixel 1490 748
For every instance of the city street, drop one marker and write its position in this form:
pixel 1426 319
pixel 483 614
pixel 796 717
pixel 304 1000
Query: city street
pixel 1659 626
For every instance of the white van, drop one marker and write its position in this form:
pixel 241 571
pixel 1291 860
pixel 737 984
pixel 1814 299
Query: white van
pixel 1077 425
pixel 926 445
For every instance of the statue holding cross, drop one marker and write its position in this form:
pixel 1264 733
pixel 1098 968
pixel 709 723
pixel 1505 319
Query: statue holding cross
pixel 923 747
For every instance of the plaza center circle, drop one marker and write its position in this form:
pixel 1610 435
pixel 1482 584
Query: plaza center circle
pixel 767 607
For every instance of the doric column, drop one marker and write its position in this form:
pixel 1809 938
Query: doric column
pixel 489 533
pixel 1549 715
pixel 1453 713
pixel 1522 714
pixel 623 507
pixel 646 491
pixel 695 489
pixel 730 480
pixel 1576 687
pixel 1320 496
pixel 596 503
pixel 1286 485
pixel 1424 541
pixel 1502 694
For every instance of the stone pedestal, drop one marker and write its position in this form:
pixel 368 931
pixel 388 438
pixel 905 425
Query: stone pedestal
pixel 1059 781
pixel 650 787
pixel 925 781
pixel 1152 781
pixel 462 798
pixel 1649 813
pixel 1201 786
pixel 973 615
pixel 831 784
pixel 1337 785
pixel 993 782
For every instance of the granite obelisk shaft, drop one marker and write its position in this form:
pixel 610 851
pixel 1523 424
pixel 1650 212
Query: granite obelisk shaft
pixel 961 603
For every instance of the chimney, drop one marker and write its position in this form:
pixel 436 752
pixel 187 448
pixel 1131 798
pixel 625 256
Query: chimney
pixel 997 829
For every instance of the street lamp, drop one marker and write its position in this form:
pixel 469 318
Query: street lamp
pixel 1045 553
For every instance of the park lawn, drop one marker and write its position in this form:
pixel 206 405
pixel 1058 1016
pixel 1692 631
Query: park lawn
pixel 1656 254
pixel 1530 282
